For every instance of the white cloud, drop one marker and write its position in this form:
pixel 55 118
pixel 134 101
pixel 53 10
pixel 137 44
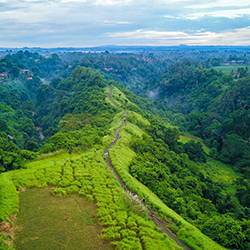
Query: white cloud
pixel 219 3
pixel 70 22
pixel 111 2
pixel 220 13
pixel 117 22
pixel 79 1
pixel 237 37
pixel 173 17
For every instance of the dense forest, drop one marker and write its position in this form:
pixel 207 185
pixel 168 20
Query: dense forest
pixel 53 103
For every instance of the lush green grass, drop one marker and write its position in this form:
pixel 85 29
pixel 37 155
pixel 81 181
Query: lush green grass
pixel 221 173
pixel 124 222
pixel 121 155
pixel 106 91
pixel 8 197
pixel 115 124
pixel 138 117
pixel 118 97
pixel 133 129
pixel 47 222
pixel 51 222
pixel 227 69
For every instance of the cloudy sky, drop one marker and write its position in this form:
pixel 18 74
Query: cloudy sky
pixel 81 23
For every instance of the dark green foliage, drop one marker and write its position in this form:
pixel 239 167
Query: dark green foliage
pixel 234 148
pixel 195 151
pixel 10 157
pixel 82 94
pixel 168 135
pixel 172 177
pixel 243 191
pixel 229 232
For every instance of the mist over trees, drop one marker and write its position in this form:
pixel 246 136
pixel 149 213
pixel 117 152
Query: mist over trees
pixel 59 102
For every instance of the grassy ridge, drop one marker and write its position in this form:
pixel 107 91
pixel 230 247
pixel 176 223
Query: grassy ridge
pixel 121 155
pixel 125 224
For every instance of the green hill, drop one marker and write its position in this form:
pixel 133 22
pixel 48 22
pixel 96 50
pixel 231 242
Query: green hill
pixel 179 181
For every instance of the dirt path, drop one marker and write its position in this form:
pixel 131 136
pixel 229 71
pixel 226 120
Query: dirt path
pixel 110 93
pixel 157 222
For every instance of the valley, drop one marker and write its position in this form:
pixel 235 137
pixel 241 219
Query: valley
pixel 80 185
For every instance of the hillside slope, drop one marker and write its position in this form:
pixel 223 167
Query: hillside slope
pixel 148 159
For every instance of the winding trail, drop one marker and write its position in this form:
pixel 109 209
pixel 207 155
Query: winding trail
pixel 157 222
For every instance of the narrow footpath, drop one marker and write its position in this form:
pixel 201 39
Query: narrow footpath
pixel 157 222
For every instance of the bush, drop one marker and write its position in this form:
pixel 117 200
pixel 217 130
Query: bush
pixel 8 198
pixel 131 243
pixel 72 189
pixel 59 192
pixel 111 233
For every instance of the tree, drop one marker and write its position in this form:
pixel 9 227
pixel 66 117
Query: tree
pixel 234 147
pixel 3 125
pixel 195 151
pixel 228 231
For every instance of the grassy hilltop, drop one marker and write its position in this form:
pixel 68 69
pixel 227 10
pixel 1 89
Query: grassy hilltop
pixel 68 198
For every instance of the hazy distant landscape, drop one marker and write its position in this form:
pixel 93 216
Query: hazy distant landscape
pixel 184 146
pixel 124 125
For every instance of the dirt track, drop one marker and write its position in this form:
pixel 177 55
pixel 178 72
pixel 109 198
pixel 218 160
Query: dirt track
pixel 157 222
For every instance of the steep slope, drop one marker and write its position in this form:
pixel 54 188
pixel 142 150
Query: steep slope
pixel 85 134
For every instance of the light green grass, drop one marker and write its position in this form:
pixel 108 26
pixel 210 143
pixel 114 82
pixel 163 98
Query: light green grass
pixel 227 69
pixel 138 117
pixel 115 124
pixel 106 91
pixel 118 97
pixel 8 197
pixel 121 155
pixel 222 174
pixel 51 226
pixel 133 129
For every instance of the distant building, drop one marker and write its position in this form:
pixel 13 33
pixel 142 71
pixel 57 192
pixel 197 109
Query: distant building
pixel 26 73
pixel 240 62
pixel 236 74
pixel 3 76
pixel 108 68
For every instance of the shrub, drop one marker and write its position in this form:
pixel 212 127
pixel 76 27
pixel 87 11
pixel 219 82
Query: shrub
pixel 111 233
pixel 89 197
pixel 8 198
pixel 131 243
pixel 58 191
pixel 3 245
pixel 72 189
pixel 107 220
pixel 126 233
